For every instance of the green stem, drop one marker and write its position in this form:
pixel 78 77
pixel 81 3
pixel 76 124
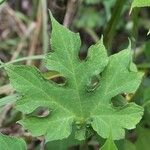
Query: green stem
pixel 44 25
pixel 110 29
pixel 134 33
pixel 36 57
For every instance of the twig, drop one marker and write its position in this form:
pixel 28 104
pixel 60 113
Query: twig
pixel 19 22
pixel 21 44
pixel 72 6
pixel 44 26
pixel 36 57
pixel 34 38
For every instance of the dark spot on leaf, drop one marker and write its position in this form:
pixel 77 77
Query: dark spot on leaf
pixel 60 80
pixel 41 112
pixel 55 77
pixel 118 101
pixel 94 83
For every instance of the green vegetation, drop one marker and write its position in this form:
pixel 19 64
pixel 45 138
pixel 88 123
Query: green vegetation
pixel 76 91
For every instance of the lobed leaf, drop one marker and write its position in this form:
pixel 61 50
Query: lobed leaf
pixel 84 100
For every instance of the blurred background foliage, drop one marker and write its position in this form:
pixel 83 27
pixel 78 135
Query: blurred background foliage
pixel 25 30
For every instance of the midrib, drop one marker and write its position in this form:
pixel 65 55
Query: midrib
pixel 73 71
pixel 76 84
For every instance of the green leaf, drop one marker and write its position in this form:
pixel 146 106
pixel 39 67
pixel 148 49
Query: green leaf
pixel 1 1
pixel 109 145
pixel 7 142
pixel 140 3
pixel 117 78
pixel 84 100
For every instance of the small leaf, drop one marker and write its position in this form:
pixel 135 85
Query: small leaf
pixel 7 142
pixel 140 3
pixel 109 145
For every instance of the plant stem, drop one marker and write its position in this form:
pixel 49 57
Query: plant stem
pixel 44 25
pixel 72 6
pixel 36 57
pixel 112 24
pixel 134 33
